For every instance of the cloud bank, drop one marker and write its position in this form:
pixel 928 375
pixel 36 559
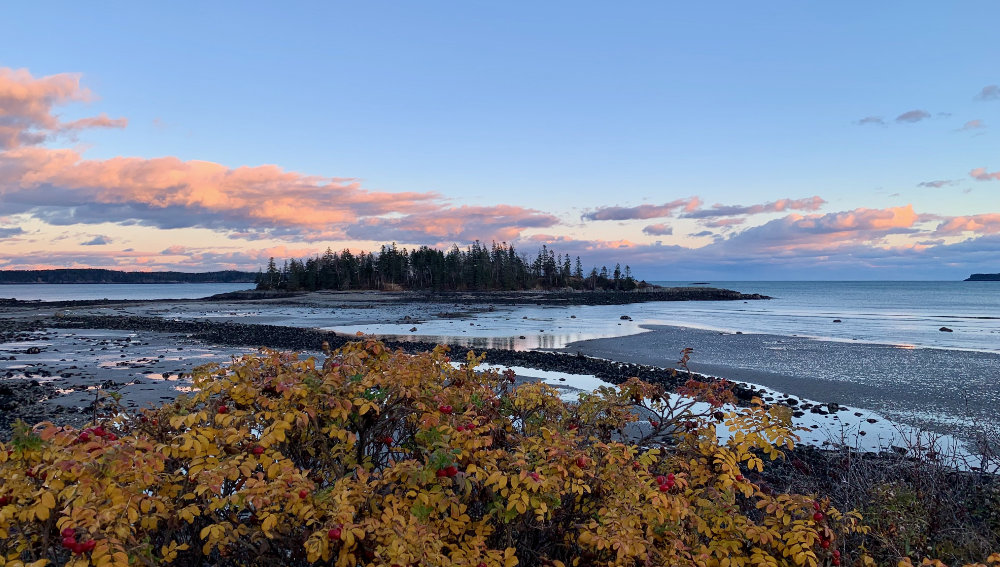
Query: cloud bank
pixel 62 187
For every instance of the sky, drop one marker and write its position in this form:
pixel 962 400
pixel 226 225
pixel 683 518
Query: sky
pixel 725 140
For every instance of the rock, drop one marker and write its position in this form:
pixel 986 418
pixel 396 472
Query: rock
pixel 33 350
pixel 413 329
pixel 625 318
pixel 946 330
pixel 837 321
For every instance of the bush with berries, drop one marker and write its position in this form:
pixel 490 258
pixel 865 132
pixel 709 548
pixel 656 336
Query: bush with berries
pixel 375 457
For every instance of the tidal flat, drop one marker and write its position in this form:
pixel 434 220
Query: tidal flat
pixel 146 350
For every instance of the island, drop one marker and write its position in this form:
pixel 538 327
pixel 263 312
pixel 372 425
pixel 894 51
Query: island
pixel 983 278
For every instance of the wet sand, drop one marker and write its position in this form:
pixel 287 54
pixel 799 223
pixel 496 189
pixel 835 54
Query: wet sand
pixel 943 390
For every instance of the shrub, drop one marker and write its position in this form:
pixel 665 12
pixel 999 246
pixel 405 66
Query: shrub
pixel 382 458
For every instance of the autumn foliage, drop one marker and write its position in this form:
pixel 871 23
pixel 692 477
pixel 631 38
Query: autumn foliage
pixel 375 457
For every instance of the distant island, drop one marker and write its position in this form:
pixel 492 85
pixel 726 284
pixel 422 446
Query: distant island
pixel 983 278
pixel 477 268
pixel 100 276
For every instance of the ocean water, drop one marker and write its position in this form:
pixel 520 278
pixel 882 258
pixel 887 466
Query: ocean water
pixel 70 292
pixel 895 313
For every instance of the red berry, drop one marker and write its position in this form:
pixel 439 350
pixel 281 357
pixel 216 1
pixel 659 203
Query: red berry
pixel 835 562
pixel 303 493
pixel 4 500
pixel 739 478
pixel 445 409
pixel 534 476
pixel 68 532
pixel 654 423
pixel 334 533
pixel 661 479
pixel 77 548
pixel 223 409
pixel 387 440
pixel 818 516
pixel 581 462
pixel 481 565
pixel 836 553
pixel 670 477
pixel 441 473
pixel 452 470
pixel 84 437
pixel 825 544
pixel 636 466
pixel 69 542
pixel 99 431
pixel 143 419
pixel 816 506
pixel 258 450
pixel 112 437
pixel 89 545
pixel 665 487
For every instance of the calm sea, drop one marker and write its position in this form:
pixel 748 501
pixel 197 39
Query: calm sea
pixel 897 313
pixel 69 292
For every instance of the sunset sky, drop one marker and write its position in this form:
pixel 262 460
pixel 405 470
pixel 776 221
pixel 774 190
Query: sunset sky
pixel 729 140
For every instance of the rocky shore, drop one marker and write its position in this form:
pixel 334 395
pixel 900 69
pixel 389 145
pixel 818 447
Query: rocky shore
pixel 30 397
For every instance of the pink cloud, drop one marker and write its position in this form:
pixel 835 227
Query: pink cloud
pixel 719 210
pixel 643 211
pixel 61 187
pixel 988 223
pixel 659 229
pixel 26 107
pixel 973 125
pixel 980 174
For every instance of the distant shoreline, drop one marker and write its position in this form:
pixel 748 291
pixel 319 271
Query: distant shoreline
pixel 103 277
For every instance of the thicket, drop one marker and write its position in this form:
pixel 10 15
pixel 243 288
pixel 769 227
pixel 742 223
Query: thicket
pixel 375 457
pixel 477 268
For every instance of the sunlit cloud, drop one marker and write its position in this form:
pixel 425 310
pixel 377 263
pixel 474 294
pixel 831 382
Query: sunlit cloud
pixel 980 174
pixel 719 210
pixel 976 124
pixel 643 211
pixel 725 222
pixel 26 107
pixel 988 223
pixel 659 229
pixel 62 187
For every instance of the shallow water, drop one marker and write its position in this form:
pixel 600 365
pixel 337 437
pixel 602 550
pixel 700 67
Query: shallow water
pixel 73 292
pixel 897 313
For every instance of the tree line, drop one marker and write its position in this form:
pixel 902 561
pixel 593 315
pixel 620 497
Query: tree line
pixel 477 268
pixel 101 276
